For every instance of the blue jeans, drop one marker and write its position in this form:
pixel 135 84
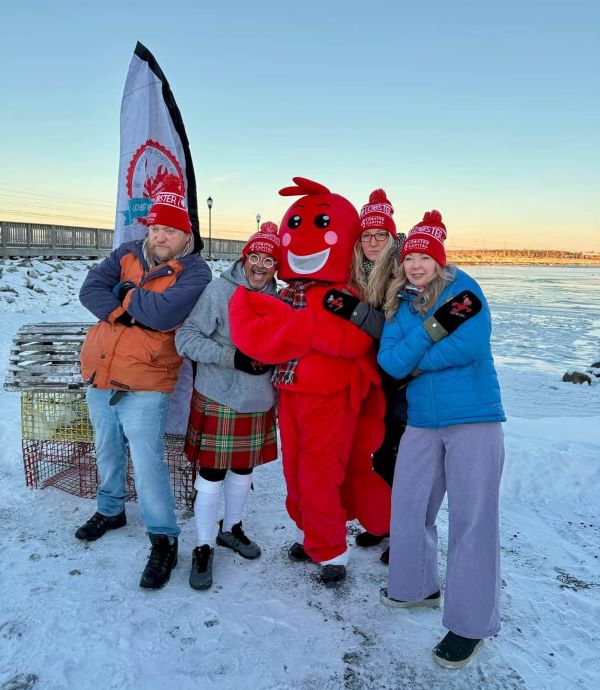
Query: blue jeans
pixel 138 417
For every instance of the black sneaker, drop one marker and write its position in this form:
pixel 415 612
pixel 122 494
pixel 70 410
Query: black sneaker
pixel 163 558
pixel 99 524
pixel 238 541
pixel 455 651
pixel 368 539
pixel 201 572
pixel 296 552
pixel 385 556
pixel 333 575
pixel 431 601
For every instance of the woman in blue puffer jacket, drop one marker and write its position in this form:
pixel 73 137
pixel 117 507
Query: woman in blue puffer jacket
pixel 438 335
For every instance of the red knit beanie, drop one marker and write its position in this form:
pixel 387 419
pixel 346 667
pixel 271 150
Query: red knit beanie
pixel 169 209
pixel 264 241
pixel 377 214
pixel 427 237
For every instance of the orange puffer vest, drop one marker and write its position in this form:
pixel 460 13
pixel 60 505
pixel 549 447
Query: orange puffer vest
pixel 130 357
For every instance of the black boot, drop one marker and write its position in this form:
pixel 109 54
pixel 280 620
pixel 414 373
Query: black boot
pixel 455 651
pixel 333 575
pixel 368 539
pixel 163 558
pixel 296 552
pixel 385 556
pixel 99 524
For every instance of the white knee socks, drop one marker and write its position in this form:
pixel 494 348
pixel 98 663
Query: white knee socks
pixel 206 509
pixel 237 488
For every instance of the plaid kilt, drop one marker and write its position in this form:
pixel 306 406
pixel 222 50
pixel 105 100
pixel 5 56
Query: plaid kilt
pixel 221 438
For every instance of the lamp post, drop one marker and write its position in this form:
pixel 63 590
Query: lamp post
pixel 209 203
pixel 257 222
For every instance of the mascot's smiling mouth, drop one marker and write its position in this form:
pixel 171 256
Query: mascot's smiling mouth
pixel 310 263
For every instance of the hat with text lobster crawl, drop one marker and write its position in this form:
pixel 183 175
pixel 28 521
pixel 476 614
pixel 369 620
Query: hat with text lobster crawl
pixel 377 214
pixel 264 241
pixel 169 209
pixel 427 237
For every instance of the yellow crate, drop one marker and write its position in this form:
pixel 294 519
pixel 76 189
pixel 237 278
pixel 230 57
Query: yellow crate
pixel 55 417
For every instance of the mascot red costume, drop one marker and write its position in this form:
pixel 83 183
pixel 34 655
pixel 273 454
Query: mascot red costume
pixel 331 406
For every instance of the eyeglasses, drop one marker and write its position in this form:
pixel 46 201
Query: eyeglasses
pixel 380 236
pixel 267 262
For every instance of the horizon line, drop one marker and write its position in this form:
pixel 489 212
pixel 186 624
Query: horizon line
pixel 449 249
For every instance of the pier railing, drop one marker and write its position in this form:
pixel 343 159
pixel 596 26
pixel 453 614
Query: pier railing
pixel 38 239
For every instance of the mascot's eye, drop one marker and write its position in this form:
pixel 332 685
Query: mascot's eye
pixel 294 222
pixel 322 220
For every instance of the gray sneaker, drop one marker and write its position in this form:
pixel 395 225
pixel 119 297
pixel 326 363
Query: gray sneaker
pixel 432 601
pixel 201 572
pixel 238 541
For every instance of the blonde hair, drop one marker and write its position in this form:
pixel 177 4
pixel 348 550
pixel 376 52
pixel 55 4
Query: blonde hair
pixel 373 288
pixel 426 298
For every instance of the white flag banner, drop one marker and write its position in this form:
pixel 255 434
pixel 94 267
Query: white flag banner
pixel 155 154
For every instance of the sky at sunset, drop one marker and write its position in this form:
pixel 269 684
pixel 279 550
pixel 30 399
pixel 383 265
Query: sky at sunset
pixel 489 112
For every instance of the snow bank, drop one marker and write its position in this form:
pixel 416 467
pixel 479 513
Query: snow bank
pixel 72 614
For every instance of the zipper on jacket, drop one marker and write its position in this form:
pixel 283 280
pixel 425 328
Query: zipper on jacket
pixel 156 272
pixel 120 385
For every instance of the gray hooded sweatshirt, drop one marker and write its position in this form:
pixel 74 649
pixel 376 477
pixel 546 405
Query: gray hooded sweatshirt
pixel 204 338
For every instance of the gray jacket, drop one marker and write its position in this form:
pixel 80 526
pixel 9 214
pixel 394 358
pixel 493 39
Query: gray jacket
pixel 371 320
pixel 204 338
pixel 368 319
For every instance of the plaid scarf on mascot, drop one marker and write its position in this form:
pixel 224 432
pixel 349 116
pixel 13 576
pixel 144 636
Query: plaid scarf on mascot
pixel 294 295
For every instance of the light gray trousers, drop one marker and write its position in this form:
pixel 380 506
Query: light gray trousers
pixel 466 461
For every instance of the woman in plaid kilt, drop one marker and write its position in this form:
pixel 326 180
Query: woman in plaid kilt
pixel 231 428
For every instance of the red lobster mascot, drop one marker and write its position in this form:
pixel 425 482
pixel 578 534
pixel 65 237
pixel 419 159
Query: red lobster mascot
pixel 331 406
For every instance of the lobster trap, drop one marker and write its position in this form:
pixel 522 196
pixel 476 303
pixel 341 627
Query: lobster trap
pixel 57 435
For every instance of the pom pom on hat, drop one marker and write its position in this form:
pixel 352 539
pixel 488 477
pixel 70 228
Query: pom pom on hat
pixel 427 237
pixel 169 209
pixel 433 218
pixel 378 196
pixel 269 226
pixel 377 214
pixel 265 241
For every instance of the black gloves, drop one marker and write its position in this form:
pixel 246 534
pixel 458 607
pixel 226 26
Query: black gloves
pixel 249 365
pixel 119 291
pixel 127 320
pixel 452 314
pixel 340 303
pixel 122 288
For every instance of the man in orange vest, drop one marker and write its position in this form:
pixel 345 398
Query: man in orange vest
pixel 140 293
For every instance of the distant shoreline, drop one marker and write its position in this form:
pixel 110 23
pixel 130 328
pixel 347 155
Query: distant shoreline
pixel 487 262
pixel 531 257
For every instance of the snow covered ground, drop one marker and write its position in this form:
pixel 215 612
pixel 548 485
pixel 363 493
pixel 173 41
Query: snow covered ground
pixel 72 614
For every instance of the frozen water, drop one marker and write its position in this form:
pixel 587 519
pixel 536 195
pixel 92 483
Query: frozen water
pixel 72 614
